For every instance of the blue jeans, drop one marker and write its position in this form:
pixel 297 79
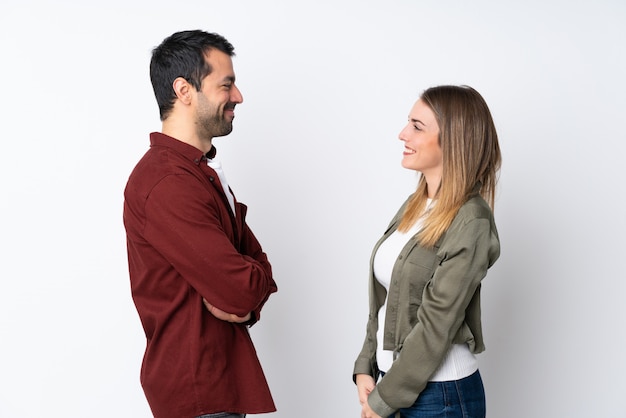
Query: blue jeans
pixel 222 415
pixel 464 398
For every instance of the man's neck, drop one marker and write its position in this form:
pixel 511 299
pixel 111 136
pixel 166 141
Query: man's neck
pixel 181 130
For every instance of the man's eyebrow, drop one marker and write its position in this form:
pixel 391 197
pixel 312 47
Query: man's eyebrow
pixel 229 78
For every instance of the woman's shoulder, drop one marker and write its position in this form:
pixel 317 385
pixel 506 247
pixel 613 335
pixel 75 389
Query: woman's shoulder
pixel 473 217
pixel 475 207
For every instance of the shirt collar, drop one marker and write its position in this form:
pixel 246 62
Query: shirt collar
pixel 189 151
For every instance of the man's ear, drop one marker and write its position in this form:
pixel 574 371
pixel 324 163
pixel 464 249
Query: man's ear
pixel 183 90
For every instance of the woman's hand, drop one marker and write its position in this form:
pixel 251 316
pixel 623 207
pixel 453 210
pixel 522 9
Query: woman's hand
pixel 365 385
pixel 225 316
pixel 367 412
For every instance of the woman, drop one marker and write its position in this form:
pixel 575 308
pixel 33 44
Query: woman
pixel 424 325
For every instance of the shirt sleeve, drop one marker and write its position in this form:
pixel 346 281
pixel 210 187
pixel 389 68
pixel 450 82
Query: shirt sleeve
pixel 185 223
pixel 251 247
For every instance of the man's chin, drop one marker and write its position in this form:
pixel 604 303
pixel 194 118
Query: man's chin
pixel 225 131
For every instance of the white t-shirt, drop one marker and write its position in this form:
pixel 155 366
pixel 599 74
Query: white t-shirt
pixel 217 166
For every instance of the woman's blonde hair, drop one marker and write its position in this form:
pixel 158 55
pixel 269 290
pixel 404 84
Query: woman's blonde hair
pixel 471 158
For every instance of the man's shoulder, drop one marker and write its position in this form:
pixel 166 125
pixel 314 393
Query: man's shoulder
pixel 159 161
pixel 156 164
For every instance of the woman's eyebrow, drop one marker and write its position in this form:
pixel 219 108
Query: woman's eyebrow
pixel 417 121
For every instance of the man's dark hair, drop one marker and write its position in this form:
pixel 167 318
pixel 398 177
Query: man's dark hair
pixel 182 55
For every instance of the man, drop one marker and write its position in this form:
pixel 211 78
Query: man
pixel 198 275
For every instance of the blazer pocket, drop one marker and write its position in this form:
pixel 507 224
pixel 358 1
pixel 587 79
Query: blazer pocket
pixel 417 278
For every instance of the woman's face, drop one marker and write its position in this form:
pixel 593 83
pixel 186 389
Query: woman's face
pixel 421 142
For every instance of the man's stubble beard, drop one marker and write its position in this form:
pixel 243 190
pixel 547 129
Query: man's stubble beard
pixel 211 122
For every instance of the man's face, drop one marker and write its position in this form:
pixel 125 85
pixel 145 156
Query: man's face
pixel 217 97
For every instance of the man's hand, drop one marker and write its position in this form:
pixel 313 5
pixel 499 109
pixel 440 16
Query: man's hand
pixel 225 316
pixel 365 385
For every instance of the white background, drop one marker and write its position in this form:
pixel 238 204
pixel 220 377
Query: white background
pixel 327 87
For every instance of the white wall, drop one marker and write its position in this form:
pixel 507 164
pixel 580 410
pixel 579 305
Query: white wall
pixel 315 155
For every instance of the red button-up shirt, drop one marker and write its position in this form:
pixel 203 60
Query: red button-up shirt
pixel 185 244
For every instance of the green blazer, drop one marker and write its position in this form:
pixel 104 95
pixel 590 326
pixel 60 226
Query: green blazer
pixel 433 302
